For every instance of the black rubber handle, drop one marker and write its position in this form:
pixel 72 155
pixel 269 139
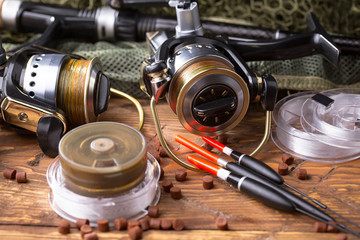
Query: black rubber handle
pixel 257 166
pixel 49 132
pixel 263 193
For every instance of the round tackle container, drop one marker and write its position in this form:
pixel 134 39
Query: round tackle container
pixel 309 130
pixel 103 171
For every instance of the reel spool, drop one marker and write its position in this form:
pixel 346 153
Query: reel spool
pixel 319 127
pixel 205 92
pixel 77 86
pixel 103 171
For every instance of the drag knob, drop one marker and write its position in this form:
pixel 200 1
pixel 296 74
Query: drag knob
pixel 49 132
pixel 214 105
pixel 102 94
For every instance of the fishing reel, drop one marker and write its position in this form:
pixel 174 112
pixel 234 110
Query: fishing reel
pixel 45 91
pixel 206 84
pixel 206 80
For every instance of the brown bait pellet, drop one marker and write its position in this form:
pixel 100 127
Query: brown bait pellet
pixel 287 159
pixel 9 173
pixel 332 229
pixel 21 177
pixel 155 223
pixel 135 233
pixel 80 222
pixel 176 193
pixel 64 227
pixel 85 229
pixel 178 224
pixel 161 173
pixel 120 224
pixel 283 169
pixel 223 138
pixel 341 236
pixel 167 184
pixel 301 174
pixel 144 224
pixel 103 225
pixel 153 211
pixel 221 223
pixel 320 227
pixel 132 223
pixel 165 224
pixel 208 182
pixel 206 146
pixel 162 152
pixel 180 175
pixel 91 236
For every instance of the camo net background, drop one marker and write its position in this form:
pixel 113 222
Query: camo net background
pixel 122 60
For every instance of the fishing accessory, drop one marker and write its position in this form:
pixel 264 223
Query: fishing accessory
pixel 259 171
pixel 121 22
pixel 46 91
pixel 269 194
pixel 103 167
pixel 319 126
pixel 241 158
pixel 206 80
pixel 43 91
pixel 249 186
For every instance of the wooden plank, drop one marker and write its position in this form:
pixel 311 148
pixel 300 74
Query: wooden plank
pixel 28 233
pixel 25 207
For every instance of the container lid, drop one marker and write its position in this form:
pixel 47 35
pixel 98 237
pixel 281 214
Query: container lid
pixel 103 158
pixel 337 123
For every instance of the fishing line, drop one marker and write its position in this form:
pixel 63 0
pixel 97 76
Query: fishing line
pixel 73 93
pixel 295 134
pixel 321 205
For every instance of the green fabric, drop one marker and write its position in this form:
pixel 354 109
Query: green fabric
pixel 121 60
pixel 335 16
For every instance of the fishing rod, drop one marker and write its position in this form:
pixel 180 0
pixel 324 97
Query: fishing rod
pixel 122 22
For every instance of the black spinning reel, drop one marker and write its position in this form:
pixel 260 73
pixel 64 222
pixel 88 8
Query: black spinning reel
pixel 44 91
pixel 206 80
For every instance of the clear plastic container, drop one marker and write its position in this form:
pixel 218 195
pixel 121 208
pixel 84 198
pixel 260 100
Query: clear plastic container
pixel 289 135
pixel 95 183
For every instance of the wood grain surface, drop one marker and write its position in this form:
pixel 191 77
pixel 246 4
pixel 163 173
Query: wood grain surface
pixel 25 212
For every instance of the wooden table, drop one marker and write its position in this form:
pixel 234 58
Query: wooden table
pixel 25 212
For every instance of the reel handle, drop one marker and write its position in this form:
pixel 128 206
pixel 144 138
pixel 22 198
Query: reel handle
pixel 49 133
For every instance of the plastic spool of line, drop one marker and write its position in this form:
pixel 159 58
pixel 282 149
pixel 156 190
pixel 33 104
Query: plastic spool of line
pixel 103 171
pixel 322 127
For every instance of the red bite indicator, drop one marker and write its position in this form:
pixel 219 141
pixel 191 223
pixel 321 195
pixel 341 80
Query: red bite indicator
pixel 217 145
pixel 205 165
pixel 196 148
